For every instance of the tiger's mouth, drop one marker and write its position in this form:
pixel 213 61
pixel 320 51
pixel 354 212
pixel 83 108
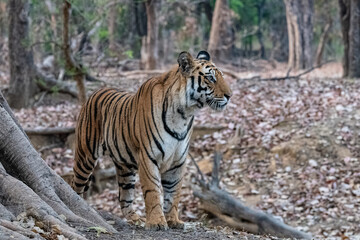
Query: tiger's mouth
pixel 217 104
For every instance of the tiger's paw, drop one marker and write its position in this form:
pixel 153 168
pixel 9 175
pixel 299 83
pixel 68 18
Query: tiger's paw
pixel 177 224
pixel 156 225
pixel 135 219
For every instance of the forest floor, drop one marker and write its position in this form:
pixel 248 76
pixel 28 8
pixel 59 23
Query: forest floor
pixel 290 148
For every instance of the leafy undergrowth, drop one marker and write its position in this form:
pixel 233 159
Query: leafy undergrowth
pixel 290 149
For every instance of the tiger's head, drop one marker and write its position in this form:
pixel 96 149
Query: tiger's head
pixel 205 82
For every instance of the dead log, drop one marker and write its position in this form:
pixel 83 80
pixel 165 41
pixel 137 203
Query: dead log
pixel 198 130
pixel 235 213
pixel 50 131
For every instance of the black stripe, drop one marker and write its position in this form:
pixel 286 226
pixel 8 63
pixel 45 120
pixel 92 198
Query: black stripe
pixel 115 139
pixel 157 144
pixel 79 185
pixel 79 176
pixel 152 116
pixel 182 113
pixel 127 186
pixel 169 184
pixel 147 134
pixel 123 137
pixel 200 88
pixel 88 169
pixel 147 191
pixel 176 167
pixel 182 163
pixel 126 201
pixel 178 136
pixel 153 179
pixel 129 174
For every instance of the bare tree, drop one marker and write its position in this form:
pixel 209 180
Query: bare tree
pixel 22 84
pixel 112 27
pixel 221 35
pixel 299 16
pixel 260 8
pixel 150 48
pixel 350 24
pixel 322 42
pixel 72 67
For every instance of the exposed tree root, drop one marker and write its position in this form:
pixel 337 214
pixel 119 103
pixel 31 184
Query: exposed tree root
pixel 235 214
pixel 7 234
pixel 28 185
pixel 24 232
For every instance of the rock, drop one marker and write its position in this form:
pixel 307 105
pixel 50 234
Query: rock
pixel 313 163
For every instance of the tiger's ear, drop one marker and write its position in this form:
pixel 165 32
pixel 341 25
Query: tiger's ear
pixel 203 55
pixel 186 62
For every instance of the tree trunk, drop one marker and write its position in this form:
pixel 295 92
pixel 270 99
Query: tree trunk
pixel 73 69
pixel 344 6
pixel 149 48
pixel 112 28
pixel 22 84
pixel 350 26
pixel 299 16
pixel 221 34
pixel 51 5
pixel 354 39
pixel 322 42
pixel 259 7
pixel 36 190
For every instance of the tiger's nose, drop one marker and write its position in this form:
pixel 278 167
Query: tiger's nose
pixel 227 96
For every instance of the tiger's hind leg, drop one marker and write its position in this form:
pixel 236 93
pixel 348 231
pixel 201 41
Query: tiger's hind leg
pixel 126 178
pixel 171 182
pixel 83 168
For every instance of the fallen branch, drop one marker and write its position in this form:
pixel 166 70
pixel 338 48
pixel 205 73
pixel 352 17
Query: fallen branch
pixel 49 131
pixel 50 84
pixel 237 215
pixel 198 130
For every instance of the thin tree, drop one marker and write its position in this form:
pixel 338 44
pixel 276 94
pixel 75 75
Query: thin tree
pixel 350 25
pixel 222 35
pixel 112 27
pixel 71 66
pixel 150 48
pixel 299 17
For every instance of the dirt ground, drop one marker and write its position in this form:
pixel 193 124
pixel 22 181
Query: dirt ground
pixel 290 148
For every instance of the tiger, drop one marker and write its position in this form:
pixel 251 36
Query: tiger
pixel 148 132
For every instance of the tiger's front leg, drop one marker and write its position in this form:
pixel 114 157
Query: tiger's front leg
pixel 151 187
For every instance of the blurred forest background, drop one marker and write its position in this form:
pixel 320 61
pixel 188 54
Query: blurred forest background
pixel 289 137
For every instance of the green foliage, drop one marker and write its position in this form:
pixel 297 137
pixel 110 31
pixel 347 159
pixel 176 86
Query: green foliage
pixel 103 34
pixel 129 54
pixel 40 82
pixel 99 230
pixel 55 89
